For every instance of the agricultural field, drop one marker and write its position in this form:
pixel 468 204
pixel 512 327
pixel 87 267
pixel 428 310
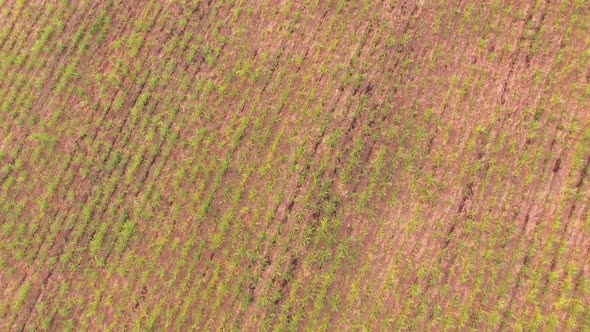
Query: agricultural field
pixel 335 165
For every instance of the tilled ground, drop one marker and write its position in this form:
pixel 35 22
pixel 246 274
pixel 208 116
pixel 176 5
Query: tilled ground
pixel 319 165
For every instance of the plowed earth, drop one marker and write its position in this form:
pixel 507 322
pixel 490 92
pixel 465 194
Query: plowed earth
pixel 294 165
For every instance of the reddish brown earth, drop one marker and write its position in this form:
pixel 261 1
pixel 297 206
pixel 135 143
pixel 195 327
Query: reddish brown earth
pixel 304 165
